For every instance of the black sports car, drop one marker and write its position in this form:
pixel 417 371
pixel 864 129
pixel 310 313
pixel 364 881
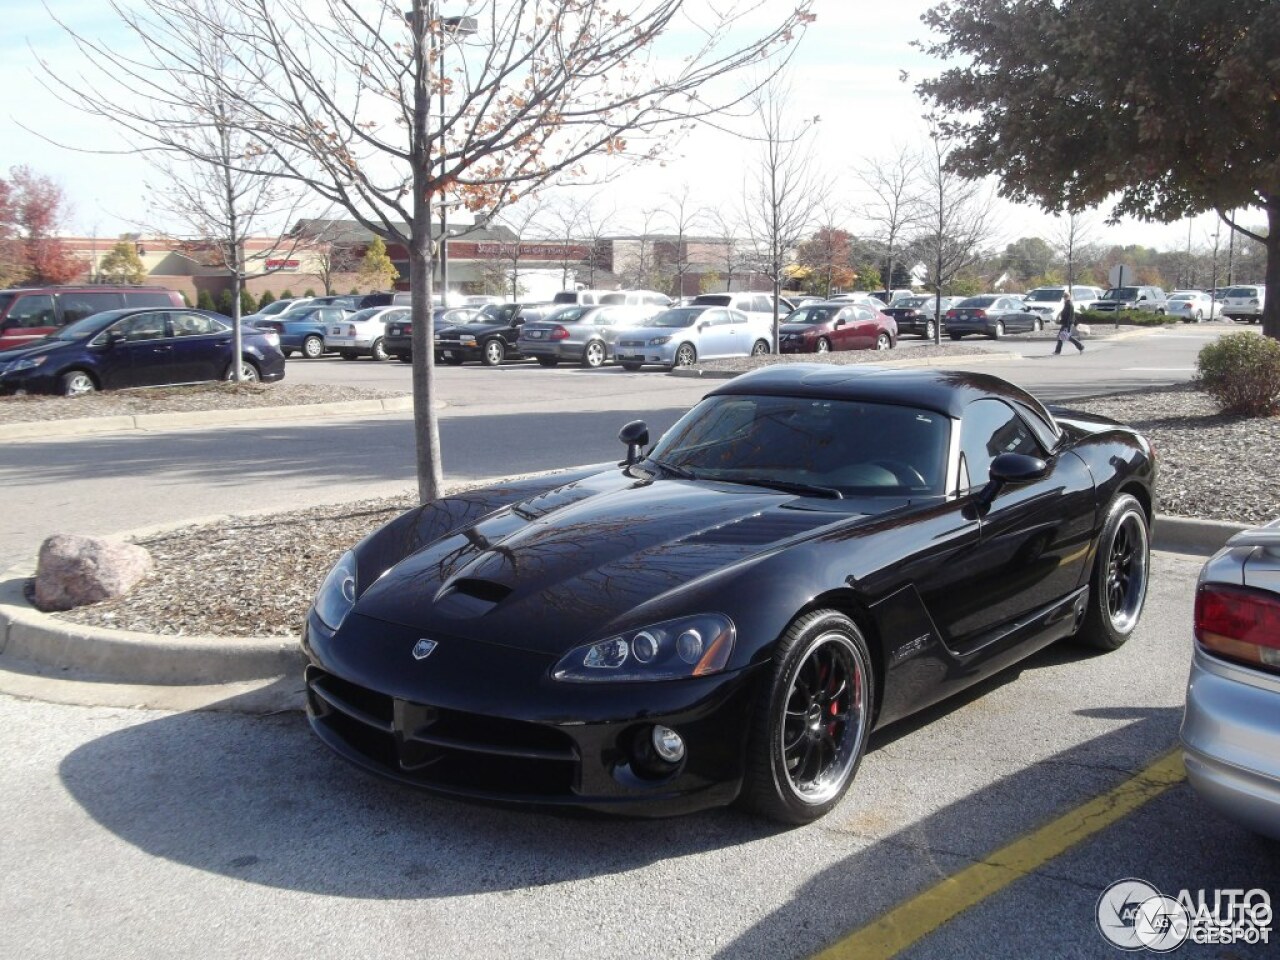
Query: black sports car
pixel 808 554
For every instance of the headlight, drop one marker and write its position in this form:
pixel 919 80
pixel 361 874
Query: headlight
pixel 470 340
pixel 673 650
pixel 337 595
pixel 27 363
pixel 659 341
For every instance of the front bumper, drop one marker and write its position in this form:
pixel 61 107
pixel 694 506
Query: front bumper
pixel 557 349
pixel 1231 741
pixel 34 380
pixel 798 346
pixel 663 354
pixel 455 348
pixel 478 721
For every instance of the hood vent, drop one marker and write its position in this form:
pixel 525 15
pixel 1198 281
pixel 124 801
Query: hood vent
pixel 761 529
pixel 469 597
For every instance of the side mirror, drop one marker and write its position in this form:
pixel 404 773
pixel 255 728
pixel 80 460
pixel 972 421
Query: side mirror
pixel 1010 468
pixel 703 325
pixel 636 436
pixel 841 322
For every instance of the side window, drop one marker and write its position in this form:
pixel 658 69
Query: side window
pixel 77 306
pixel 145 326
pixel 990 428
pixel 718 318
pixel 194 325
pixel 35 310
pixel 863 314
pixel 761 304
pixel 604 318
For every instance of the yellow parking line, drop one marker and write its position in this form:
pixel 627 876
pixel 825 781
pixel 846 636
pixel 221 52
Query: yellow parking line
pixel 918 917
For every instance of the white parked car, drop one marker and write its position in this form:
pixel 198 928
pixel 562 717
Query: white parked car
pixel 275 308
pixel 682 336
pixel 1048 301
pixel 1244 302
pixel 360 335
pixel 1192 306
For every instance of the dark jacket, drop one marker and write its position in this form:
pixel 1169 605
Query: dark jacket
pixel 1068 317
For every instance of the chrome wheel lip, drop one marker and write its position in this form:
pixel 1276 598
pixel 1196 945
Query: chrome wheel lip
pixel 798 726
pixel 1125 583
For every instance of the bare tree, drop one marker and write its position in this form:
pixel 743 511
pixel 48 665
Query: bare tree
pixel 343 93
pixel 525 221
pixel 782 194
pixel 1073 230
pixel 957 220
pixel 332 258
pixel 896 207
pixel 564 222
pixel 725 226
pixel 635 259
pixel 595 224
pixel 682 215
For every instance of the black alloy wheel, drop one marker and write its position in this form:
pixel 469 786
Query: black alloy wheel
pixel 493 353
pixel 1118 583
pixel 811 726
pixel 313 348
pixel 594 354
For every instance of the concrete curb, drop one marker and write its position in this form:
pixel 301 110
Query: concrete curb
pixel 697 373
pixel 1189 535
pixel 82 426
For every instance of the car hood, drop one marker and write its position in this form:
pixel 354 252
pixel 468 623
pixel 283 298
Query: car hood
pixel 558 570
pixel 470 329
pixel 35 349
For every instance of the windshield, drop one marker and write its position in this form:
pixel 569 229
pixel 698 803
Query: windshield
pixel 1241 292
pixel 1121 293
pixel 679 317
pixel 368 313
pixel 812 315
pixel 866 449
pixel 496 314
pixel 89 325
pixel 1045 296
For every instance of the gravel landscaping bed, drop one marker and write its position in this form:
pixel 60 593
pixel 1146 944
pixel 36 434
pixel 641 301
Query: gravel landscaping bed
pixel 256 576
pixel 207 396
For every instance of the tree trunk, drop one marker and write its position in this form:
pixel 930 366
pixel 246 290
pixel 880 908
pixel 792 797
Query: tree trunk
pixel 1271 306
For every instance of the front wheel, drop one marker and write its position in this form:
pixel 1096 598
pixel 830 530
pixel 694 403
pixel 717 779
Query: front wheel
pixel 378 352
pixel 76 383
pixel 1118 584
pixel 811 724
pixel 686 356
pixel 824 345
pixel 494 352
pixel 594 354
pixel 759 348
pixel 313 348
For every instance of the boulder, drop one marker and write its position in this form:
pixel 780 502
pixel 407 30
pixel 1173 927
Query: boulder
pixel 73 571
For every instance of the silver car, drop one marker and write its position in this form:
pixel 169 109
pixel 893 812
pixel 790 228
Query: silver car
pixel 1231 727
pixel 362 333
pixel 580 333
pixel 682 336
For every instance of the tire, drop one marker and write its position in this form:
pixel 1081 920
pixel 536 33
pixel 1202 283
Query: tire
pixel 548 362
pixel 686 356
pixel 249 369
pixel 313 348
pixel 884 342
pixel 377 352
pixel 929 330
pixel 824 345
pixel 1121 571
pixel 594 354
pixel 955 336
pixel 998 332
pixel 799 763
pixel 348 355
pixel 76 383
pixel 1199 316
pixel 633 367
pixel 493 352
pixel 760 348
pixel 1037 325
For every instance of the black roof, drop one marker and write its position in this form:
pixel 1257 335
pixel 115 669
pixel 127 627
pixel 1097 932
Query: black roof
pixel 943 391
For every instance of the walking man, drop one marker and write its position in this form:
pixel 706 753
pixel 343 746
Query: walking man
pixel 1067 324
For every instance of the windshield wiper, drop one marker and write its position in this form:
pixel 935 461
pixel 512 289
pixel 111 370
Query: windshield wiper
pixel 676 471
pixel 787 485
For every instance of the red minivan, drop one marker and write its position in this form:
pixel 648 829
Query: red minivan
pixel 29 313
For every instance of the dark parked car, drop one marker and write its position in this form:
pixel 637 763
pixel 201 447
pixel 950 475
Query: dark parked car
pixel 993 315
pixel 28 314
pixel 824 327
pixel 491 336
pixel 579 333
pixel 398 340
pixel 305 328
pixel 808 554
pixel 138 348
pixel 919 314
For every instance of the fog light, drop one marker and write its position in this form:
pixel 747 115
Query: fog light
pixel 668 744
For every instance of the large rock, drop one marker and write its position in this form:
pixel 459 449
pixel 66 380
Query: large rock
pixel 73 571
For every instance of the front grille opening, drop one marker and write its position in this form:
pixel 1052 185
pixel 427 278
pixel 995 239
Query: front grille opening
pixel 377 705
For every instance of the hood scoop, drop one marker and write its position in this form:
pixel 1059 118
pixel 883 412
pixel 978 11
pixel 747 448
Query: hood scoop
pixel 470 597
pixel 761 528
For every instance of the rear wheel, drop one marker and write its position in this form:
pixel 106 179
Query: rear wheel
pixel 76 383
pixel 1037 325
pixel 593 355
pixel 884 342
pixel 495 351
pixel 929 330
pixel 759 348
pixel 313 348
pixel 810 726
pixel 548 362
pixel 378 352
pixel 998 332
pixel 248 372
pixel 1118 584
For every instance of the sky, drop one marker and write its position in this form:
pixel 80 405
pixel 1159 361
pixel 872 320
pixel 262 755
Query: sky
pixel 846 71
